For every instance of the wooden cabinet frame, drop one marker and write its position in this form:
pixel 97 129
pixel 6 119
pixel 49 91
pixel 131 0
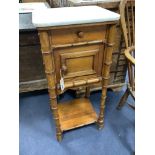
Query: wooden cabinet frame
pixel 50 69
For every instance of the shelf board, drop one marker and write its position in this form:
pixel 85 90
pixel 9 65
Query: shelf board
pixel 76 113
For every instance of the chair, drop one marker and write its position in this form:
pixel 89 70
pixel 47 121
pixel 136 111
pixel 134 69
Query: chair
pixel 127 9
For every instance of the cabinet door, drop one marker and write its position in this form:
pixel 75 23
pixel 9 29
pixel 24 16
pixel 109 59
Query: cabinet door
pixel 79 61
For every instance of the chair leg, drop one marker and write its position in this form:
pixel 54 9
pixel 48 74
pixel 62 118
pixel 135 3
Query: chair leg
pixel 131 106
pixel 123 99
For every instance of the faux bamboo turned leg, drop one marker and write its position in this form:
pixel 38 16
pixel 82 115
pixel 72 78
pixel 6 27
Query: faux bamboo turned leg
pixel 54 108
pixel 123 99
pixel 106 73
pixel 51 79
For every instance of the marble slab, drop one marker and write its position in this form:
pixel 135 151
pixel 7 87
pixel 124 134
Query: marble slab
pixel 93 1
pixel 72 15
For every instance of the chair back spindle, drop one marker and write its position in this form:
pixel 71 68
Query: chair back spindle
pixel 127 11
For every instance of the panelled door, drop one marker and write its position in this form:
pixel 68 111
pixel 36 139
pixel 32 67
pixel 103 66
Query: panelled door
pixel 79 61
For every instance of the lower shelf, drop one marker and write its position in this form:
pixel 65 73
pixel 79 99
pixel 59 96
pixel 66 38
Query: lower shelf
pixel 76 113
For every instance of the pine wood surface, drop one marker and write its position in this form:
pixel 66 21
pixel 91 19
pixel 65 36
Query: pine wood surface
pixel 76 113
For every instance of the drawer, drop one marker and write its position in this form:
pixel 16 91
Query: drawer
pixel 74 62
pixel 75 35
pixel 29 38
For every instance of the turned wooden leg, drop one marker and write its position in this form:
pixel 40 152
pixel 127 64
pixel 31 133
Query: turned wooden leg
pixel 102 108
pixel 51 79
pixel 54 109
pixel 87 93
pixel 123 99
pixel 106 72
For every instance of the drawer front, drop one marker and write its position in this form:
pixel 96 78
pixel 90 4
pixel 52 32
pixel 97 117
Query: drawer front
pixel 79 61
pixel 75 35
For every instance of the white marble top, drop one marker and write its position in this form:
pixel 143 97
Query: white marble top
pixel 72 15
pixel 30 7
pixel 92 1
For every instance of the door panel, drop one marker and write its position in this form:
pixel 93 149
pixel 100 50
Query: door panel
pixel 79 61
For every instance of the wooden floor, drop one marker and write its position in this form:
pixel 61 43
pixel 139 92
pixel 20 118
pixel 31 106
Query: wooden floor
pixel 76 113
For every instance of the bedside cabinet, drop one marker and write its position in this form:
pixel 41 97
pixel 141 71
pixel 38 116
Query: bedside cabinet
pixel 76 45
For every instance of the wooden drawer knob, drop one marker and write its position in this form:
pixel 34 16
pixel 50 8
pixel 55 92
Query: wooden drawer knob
pixel 80 34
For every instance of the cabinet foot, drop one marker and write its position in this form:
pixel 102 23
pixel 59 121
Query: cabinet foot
pixel 59 137
pixel 100 124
